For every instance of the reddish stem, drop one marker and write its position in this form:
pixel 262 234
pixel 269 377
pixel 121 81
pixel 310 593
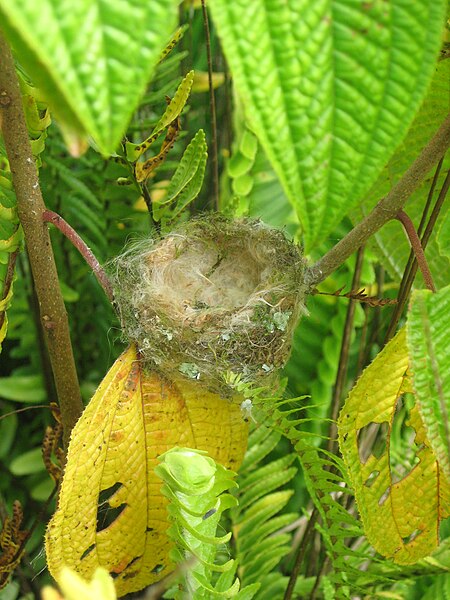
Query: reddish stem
pixel 48 216
pixel 417 247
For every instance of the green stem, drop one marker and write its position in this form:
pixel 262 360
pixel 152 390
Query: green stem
pixel 31 207
pixel 301 553
pixel 343 357
pixel 386 209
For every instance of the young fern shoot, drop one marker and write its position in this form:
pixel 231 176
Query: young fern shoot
pixel 195 486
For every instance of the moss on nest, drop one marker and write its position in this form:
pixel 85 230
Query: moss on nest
pixel 213 296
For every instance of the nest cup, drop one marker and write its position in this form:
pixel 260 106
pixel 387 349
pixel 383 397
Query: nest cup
pixel 213 296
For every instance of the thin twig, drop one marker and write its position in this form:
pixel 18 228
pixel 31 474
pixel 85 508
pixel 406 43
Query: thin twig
pixel 323 566
pixel 386 209
pixel 413 270
pixel 414 240
pixel 25 408
pixel 339 383
pixel 212 108
pixel 155 225
pixel 403 291
pixel 343 358
pixel 30 206
pixel 300 554
pixel 228 108
pixel 436 210
pixel 363 342
pixel 69 232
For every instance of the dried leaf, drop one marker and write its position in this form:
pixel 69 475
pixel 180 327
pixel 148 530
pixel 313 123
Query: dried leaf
pixel 143 169
pixel 359 296
pixel 11 543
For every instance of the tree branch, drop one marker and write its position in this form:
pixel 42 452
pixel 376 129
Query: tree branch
pixel 31 207
pixel 386 209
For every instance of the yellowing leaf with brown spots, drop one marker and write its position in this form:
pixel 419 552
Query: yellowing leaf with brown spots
pixel 110 511
pixel 401 514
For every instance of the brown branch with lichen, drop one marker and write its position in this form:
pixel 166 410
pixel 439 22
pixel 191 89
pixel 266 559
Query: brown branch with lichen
pixel 386 209
pixel 31 207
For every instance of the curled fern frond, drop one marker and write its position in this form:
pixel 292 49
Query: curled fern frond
pixel 196 486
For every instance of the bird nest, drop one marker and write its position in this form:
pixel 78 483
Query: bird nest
pixel 213 296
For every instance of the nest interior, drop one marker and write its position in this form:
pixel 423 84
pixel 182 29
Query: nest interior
pixel 213 296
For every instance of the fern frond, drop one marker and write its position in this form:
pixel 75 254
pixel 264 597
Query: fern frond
pixel 327 485
pixel 75 184
pixel 261 514
pixel 195 486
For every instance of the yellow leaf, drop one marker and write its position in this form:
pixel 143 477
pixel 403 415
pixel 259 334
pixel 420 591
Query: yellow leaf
pixel 401 518
pixel 201 81
pixel 101 587
pixel 140 205
pixel 111 512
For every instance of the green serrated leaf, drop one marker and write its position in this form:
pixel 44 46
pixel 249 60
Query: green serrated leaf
pixel 42 490
pixel 8 428
pixel 176 105
pixel 188 166
pixel 28 463
pixel 25 388
pixel 173 110
pixel 248 145
pixel 68 293
pixel 243 185
pixel 239 165
pixel 443 236
pixel 427 328
pixel 390 242
pixel 194 483
pixel 176 37
pixel 194 186
pixel 329 87
pixel 74 183
pixel 92 60
pixel 11 242
pixel 35 123
pixel 38 144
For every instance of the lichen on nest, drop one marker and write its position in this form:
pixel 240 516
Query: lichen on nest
pixel 213 296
